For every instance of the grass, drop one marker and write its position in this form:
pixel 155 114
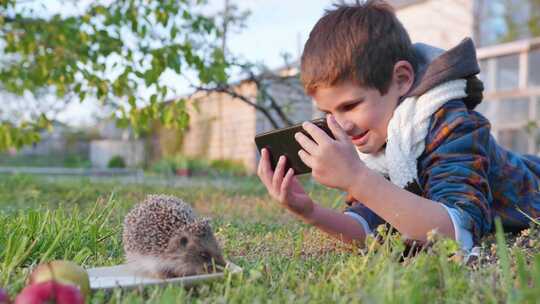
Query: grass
pixel 283 259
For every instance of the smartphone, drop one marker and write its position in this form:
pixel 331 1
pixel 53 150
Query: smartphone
pixel 282 142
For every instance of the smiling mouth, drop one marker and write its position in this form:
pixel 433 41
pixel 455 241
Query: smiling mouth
pixel 357 137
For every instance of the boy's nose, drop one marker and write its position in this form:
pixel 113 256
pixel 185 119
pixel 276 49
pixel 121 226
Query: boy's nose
pixel 346 125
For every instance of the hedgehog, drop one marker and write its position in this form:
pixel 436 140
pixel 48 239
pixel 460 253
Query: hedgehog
pixel 164 238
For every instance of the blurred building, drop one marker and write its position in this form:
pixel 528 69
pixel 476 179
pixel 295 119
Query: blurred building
pixel 59 146
pixel 442 23
pixel 52 142
pixel 511 74
pixel 116 142
pixel 223 127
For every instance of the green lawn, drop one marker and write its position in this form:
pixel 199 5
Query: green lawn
pixel 283 259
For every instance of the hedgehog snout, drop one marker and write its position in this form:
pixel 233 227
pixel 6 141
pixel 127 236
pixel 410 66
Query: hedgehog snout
pixel 189 249
pixel 189 263
pixel 177 268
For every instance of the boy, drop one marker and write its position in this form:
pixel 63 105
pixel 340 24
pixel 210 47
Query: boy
pixel 409 149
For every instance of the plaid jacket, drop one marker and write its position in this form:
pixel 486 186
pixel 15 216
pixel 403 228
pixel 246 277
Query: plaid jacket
pixel 464 168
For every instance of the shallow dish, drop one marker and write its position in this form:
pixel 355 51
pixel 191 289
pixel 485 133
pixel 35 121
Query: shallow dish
pixel 120 276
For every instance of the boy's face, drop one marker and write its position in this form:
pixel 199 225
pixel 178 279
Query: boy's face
pixel 363 113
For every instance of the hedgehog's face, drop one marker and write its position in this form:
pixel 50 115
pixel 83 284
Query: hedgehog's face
pixel 192 251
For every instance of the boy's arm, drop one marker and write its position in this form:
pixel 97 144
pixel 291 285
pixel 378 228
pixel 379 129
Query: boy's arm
pixel 336 224
pixel 410 214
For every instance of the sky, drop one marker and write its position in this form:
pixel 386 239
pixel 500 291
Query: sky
pixel 273 27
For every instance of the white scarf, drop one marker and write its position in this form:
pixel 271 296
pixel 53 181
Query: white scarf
pixel 407 131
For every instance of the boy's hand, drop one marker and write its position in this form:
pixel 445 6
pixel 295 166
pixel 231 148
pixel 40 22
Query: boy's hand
pixel 334 163
pixel 285 189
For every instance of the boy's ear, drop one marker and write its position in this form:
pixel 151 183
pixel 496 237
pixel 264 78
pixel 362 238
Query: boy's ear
pixel 403 76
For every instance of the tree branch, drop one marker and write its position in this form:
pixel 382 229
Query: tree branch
pixel 273 104
pixel 228 91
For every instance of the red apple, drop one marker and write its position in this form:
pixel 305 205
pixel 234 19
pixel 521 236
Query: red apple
pixel 50 292
pixel 65 272
pixel 4 297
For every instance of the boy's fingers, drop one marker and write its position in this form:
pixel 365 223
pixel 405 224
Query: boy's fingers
pixel 264 170
pixel 285 184
pixel 259 166
pixel 336 129
pixel 306 158
pixel 307 144
pixel 278 174
pixel 318 135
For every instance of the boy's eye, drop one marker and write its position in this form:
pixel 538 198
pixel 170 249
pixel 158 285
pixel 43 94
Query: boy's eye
pixel 350 106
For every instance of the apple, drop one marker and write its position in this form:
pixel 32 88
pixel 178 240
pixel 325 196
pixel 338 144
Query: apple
pixel 50 292
pixel 4 297
pixel 65 272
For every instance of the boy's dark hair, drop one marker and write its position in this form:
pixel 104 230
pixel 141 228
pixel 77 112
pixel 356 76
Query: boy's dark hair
pixel 359 42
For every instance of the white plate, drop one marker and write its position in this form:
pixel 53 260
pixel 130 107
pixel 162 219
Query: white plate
pixel 120 276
